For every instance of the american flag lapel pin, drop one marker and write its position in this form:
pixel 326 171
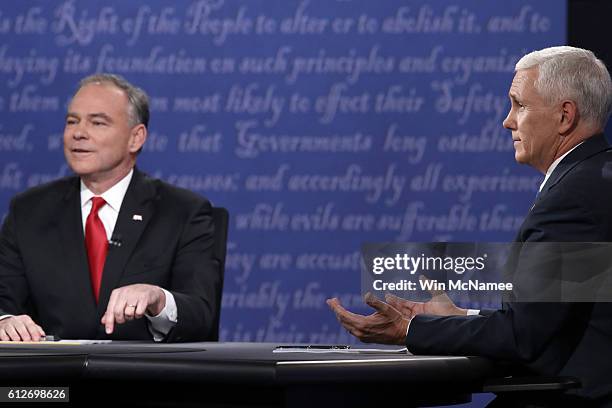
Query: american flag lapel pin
pixel 137 217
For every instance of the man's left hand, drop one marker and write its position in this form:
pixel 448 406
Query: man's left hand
pixel 131 302
pixel 386 325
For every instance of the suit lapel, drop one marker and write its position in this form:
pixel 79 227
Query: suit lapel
pixel 74 260
pixel 588 148
pixel 135 213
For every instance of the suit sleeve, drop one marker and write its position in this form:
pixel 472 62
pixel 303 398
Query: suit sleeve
pixel 13 282
pixel 195 278
pixel 518 332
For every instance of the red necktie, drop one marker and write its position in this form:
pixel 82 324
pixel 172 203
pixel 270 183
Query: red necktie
pixel 96 244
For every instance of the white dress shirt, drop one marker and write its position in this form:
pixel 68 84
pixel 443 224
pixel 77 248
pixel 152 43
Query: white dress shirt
pixel 161 324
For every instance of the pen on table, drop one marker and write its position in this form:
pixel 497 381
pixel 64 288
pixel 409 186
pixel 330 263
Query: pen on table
pixel 315 347
pixel 49 337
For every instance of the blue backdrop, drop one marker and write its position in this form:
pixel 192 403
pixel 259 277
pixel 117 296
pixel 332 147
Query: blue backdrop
pixel 319 124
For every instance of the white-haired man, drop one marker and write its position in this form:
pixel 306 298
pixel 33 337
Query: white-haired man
pixel 561 98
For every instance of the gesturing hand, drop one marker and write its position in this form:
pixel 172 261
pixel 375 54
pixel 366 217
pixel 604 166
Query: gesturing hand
pixel 131 302
pixel 439 304
pixel 386 325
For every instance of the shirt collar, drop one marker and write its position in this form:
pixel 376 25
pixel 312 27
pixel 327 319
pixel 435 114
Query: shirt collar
pixel 113 196
pixel 554 165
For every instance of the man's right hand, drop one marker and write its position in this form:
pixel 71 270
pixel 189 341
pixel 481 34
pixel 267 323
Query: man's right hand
pixel 20 328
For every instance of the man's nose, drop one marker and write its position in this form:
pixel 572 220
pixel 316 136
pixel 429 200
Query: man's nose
pixel 78 132
pixel 509 122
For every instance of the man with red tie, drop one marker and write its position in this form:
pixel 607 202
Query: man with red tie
pixel 110 253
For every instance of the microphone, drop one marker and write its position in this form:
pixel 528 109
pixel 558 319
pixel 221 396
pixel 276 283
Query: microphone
pixel 115 241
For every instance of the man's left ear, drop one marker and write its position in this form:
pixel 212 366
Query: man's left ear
pixel 138 138
pixel 569 117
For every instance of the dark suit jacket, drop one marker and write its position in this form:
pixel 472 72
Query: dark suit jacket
pixel 44 270
pixel 573 339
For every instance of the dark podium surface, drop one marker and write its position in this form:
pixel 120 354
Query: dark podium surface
pixel 239 374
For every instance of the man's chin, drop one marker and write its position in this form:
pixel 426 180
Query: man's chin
pixel 520 158
pixel 80 170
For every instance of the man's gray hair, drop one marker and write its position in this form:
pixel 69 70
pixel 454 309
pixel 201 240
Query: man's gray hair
pixel 576 74
pixel 138 111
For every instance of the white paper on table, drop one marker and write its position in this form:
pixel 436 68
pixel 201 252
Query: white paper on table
pixel 289 349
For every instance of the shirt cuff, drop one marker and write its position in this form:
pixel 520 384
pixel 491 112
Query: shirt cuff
pixel 473 312
pixel 407 330
pixel 160 325
pixel 5 317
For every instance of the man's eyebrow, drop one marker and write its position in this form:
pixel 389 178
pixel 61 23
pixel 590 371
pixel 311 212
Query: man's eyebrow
pixel 100 115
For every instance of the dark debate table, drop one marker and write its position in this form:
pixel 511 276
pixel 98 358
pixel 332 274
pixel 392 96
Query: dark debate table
pixel 239 375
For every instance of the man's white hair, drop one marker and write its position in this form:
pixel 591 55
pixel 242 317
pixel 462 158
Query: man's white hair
pixel 576 74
